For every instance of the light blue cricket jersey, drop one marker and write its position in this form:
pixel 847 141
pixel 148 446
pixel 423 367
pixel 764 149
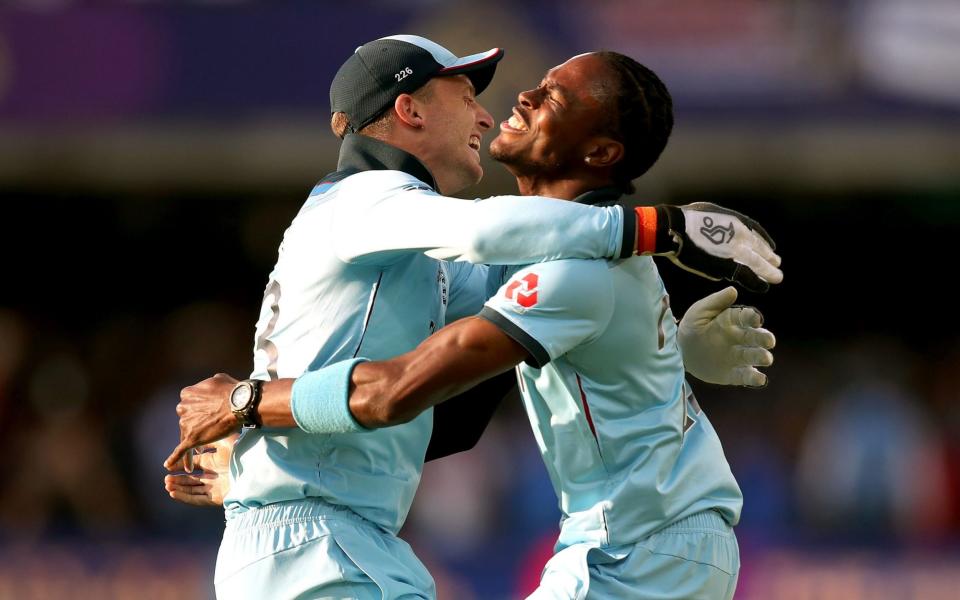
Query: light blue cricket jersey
pixel 627 447
pixel 353 279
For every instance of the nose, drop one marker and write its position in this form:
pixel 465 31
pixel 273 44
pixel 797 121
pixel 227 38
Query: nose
pixel 529 99
pixel 484 118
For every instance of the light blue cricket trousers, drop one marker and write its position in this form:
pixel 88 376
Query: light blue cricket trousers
pixel 696 558
pixel 310 549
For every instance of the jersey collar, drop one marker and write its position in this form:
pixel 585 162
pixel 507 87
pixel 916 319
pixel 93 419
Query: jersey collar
pixel 599 197
pixel 364 153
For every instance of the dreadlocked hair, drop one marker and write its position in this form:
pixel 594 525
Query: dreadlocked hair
pixel 642 120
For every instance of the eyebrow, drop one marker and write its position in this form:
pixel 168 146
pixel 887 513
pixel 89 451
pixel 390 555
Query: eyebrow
pixel 553 85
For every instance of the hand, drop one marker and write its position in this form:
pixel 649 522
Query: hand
pixel 718 243
pixel 724 344
pixel 209 485
pixel 205 416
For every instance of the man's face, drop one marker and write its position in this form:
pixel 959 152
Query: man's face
pixel 456 123
pixel 552 125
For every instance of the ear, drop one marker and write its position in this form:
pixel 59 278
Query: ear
pixel 603 152
pixel 408 111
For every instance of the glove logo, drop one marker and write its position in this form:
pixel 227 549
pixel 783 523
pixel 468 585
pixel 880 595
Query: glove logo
pixel 718 234
pixel 529 283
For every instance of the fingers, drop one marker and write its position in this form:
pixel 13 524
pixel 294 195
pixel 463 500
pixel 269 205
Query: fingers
pixel 760 231
pixel 750 377
pixel 176 457
pixel 759 239
pixel 745 318
pixel 763 267
pixel 207 460
pixel 737 321
pixel 744 322
pixel 752 356
pixel 205 489
pixel 762 338
pixel 176 481
pixel 742 327
pixel 710 306
pixel 763 249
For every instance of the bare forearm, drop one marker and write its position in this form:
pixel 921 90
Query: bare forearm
pixel 448 363
pixel 274 409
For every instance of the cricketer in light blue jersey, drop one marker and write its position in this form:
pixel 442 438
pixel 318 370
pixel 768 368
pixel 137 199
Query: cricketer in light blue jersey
pixel 627 447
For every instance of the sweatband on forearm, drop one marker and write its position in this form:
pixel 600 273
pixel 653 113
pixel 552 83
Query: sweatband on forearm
pixel 320 401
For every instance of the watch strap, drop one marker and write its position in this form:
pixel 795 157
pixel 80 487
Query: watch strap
pixel 248 416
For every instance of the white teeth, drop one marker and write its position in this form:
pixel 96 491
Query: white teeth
pixel 475 142
pixel 516 123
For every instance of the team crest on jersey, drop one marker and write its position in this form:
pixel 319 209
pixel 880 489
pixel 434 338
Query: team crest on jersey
pixel 524 290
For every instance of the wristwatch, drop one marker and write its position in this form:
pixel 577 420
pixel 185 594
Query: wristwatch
pixel 244 400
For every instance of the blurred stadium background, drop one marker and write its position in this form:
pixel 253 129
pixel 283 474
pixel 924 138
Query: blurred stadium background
pixel 152 152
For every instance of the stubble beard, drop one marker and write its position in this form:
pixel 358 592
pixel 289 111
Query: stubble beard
pixel 514 161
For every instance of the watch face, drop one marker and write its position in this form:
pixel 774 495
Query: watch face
pixel 240 396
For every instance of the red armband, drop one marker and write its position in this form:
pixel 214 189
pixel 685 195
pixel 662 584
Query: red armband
pixel 646 242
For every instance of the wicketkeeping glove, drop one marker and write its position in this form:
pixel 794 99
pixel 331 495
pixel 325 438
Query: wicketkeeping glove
pixel 717 243
pixel 725 344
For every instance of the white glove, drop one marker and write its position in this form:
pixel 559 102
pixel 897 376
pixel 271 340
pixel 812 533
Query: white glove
pixel 724 344
pixel 718 243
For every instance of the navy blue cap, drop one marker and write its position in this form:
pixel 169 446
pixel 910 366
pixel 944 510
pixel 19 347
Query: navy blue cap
pixel 377 72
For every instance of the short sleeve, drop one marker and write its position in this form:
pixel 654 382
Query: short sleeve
pixel 551 308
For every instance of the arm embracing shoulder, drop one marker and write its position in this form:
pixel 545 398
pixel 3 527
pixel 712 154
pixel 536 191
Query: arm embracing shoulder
pixel 405 214
pixel 448 363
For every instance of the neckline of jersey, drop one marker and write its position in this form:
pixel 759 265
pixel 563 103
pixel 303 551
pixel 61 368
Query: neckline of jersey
pixel 364 153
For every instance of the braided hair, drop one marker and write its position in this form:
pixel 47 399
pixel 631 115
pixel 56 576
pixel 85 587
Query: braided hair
pixel 642 120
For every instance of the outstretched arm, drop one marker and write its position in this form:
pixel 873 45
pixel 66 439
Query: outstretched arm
pixel 381 394
pixel 721 344
pixel 448 363
pixel 706 239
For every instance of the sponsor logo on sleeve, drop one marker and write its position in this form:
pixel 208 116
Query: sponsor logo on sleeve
pixel 524 290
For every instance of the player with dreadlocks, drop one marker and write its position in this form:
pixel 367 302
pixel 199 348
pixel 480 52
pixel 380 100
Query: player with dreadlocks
pixel 648 498
pixel 644 111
